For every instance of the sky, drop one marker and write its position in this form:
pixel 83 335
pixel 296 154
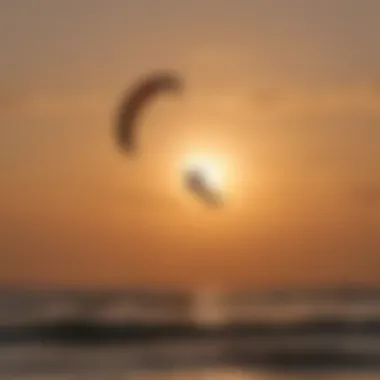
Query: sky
pixel 284 97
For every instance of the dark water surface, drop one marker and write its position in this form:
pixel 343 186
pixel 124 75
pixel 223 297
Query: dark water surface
pixel 276 336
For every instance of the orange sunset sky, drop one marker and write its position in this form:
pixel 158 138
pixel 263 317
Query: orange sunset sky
pixel 282 96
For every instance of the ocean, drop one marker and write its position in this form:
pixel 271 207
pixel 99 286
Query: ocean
pixel 308 334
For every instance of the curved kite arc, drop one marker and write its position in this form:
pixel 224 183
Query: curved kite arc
pixel 136 100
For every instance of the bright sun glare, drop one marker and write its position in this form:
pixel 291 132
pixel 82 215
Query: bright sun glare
pixel 210 167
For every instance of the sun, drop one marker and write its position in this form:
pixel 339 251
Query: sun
pixel 211 168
